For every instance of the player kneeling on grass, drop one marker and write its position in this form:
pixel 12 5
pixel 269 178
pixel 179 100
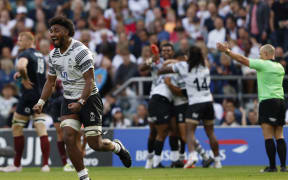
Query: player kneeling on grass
pixel 272 108
pixel 72 62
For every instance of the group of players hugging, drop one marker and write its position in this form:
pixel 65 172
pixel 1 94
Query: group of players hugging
pixel 180 99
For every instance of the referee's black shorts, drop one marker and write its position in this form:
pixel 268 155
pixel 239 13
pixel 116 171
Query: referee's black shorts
pixel 272 111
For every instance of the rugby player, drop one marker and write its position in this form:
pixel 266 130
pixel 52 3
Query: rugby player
pixel 197 82
pixel 31 68
pixel 72 62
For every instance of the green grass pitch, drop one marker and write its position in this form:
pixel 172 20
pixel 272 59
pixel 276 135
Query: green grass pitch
pixel 111 173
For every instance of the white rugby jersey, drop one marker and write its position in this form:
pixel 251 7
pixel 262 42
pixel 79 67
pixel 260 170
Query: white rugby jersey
pixel 158 84
pixel 70 66
pixel 179 82
pixel 197 82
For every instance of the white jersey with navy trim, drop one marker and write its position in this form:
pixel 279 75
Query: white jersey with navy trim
pixel 70 66
pixel 197 82
pixel 158 85
pixel 179 82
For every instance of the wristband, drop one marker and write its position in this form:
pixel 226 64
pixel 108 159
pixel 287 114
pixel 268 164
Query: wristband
pixel 81 102
pixel 41 102
pixel 227 52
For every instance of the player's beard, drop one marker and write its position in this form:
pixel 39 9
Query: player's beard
pixel 60 43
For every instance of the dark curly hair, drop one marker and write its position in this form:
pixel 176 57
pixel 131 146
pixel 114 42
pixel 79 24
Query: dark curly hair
pixel 63 21
pixel 195 57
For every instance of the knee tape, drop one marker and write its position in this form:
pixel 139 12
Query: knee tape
pixel 39 120
pixel 93 130
pixel 19 122
pixel 73 123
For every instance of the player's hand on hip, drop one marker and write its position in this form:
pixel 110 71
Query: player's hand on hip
pixel 38 108
pixel 27 83
pixel 16 75
pixel 74 107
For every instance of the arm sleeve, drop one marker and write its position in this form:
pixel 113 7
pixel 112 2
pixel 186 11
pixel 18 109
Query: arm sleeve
pixel 257 64
pixel 51 70
pixel 84 60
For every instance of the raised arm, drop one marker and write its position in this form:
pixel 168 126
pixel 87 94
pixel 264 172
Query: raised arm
pixel 223 47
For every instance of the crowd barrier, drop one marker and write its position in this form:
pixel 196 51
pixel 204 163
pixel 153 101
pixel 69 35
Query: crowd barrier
pixel 238 146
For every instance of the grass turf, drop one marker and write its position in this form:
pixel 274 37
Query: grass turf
pixel 111 173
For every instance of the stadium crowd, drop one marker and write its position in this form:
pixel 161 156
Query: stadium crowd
pixel 119 32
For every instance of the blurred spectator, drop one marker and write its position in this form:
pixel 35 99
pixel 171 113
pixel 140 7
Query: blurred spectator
pixel 170 21
pixel 6 53
pixel 252 117
pixel 110 14
pixel 21 17
pixel 126 70
pixel 203 12
pixel 216 35
pixel 230 120
pixel 279 26
pixel 209 22
pixel 119 121
pixel 139 39
pixel 108 105
pixel 258 22
pixel 161 33
pixel 145 54
pixel 231 28
pixel 149 14
pixel 224 8
pixel 218 113
pixel 6 72
pixel 5 23
pixel 138 7
pixel 229 105
pixel 140 118
pixel 122 49
pixel 7 105
pixel 5 41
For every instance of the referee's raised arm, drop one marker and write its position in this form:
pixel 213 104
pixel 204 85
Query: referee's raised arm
pixel 223 47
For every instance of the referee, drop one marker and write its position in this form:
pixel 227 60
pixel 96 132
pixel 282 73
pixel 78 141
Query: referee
pixel 270 75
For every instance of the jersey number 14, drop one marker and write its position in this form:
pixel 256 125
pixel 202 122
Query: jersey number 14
pixel 203 86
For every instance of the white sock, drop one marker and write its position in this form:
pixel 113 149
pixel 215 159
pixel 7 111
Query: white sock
pixel 192 155
pixel 83 174
pixel 174 156
pixel 156 160
pixel 117 147
pixel 181 157
pixel 217 158
pixel 150 155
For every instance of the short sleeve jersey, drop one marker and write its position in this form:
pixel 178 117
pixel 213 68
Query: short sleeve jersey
pixel 270 77
pixel 158 85
pixel 179 82
pixel 197 82
pixel 70 66
pixel 36 69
